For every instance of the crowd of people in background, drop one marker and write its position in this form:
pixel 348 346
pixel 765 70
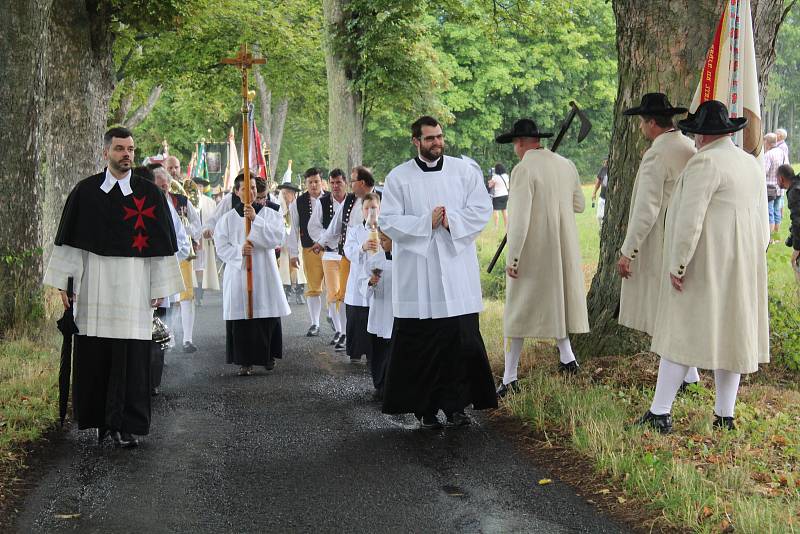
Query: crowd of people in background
pixel 395 269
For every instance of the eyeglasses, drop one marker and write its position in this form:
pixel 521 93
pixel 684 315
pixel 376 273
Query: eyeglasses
pixel 430 138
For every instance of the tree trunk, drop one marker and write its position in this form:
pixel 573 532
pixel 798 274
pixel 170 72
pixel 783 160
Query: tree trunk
pixel 58 77
pixel 276 134
pixel 661 46
pixel 125 104
pixel 345 122
pixel 144 110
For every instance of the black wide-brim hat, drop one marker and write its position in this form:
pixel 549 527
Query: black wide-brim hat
pixel 522 128
pixel 201 181
pixel 290 186
pixel 655 104
pixel 711 118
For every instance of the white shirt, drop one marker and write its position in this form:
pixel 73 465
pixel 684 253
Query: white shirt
pixel 266 233
pixel 435 273
pixel 225 205
pixel 293 241
pixel 500 188
pixel 315 227
pixel 124 183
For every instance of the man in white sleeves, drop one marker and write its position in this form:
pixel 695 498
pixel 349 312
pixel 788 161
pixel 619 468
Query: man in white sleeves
pixel 712 309
pixel 254 341
pixel 116 241
pixel 434 207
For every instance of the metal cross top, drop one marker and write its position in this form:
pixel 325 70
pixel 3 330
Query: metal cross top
pixel 245 60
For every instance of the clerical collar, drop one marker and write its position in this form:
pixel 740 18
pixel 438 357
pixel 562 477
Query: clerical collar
pixel 430 167
pixel 124 183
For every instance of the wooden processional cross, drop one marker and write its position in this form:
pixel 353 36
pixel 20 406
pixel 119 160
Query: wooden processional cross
pixel 245 60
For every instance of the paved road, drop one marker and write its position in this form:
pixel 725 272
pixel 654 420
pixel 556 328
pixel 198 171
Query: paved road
pixel 297 449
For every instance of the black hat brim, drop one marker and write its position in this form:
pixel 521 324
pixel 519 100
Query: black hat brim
pixel 509 137
pixel 201 181
pixel 639 110
pixel 690 126
pixel 291 187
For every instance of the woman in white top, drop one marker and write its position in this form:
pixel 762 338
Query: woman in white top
pixel 498 187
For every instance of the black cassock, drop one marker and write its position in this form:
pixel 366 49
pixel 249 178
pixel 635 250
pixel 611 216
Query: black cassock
pixel 438 364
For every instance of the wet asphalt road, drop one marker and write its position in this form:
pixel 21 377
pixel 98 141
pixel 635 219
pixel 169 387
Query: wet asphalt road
pixel 298 449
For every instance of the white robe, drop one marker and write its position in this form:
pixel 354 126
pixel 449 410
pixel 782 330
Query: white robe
pixel 380 320
pixel 266 233
pixel 435 272
pixel 354 294
pixel 225 205
pixel 206 256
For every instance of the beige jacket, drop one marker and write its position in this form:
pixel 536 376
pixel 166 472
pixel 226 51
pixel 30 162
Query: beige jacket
pixel 548 299
pixel 644 240
pixel 717 232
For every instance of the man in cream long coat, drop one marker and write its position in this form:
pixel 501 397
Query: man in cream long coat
pixel 641 254
pixel 545 288
pixel 712 310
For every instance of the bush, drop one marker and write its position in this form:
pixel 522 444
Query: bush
pixel 784 321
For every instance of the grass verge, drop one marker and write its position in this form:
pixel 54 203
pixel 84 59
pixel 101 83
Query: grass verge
pixel 699 479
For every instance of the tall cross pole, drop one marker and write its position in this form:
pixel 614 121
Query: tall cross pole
pixel 245 60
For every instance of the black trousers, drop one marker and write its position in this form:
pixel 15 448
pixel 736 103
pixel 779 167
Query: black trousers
pixel 379 360
pixel 111 384
pixel 358 341
pixel 253 341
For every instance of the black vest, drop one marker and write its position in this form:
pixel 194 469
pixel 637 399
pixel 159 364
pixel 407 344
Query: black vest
pixel 349 201
pixel 304 214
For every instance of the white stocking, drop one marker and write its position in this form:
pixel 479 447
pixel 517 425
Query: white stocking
pixel 187 319
pixel 342 317
pixel 512 359
pixel 314 308
pixel 565 353
pixel 692 376
pixel 670 378
pixel 334 315
pixel 727 385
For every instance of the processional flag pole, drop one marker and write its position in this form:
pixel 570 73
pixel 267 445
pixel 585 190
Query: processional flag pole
pixel 245 60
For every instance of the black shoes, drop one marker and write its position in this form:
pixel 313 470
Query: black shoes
pixel 270 364
pixel 124 440
pixel 570 368
pixel 335 339
pixel 429 422
pixel 341 344
pixel 458 419
pixel 313 331
pixel 188 347
pixel 725 423
pixel 505 389
pixel 155 392
pixel 662 423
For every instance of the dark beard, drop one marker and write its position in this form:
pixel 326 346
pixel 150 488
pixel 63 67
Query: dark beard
pixel 428 155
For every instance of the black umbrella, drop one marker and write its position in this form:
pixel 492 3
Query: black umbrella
pixel 67 327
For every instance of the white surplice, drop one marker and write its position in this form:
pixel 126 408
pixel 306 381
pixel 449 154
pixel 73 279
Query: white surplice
pixel 435 273
pixel 354 293
pixel 381 318
pixel 266 233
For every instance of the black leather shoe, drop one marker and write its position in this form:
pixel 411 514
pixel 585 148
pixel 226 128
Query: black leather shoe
pixel 270 364
pixel 429 422
pixel 155 392
pixel 505 389
pixel 102 434
pixel 124 440
pixel 458 419
pixel 341 344
pixel 725 423
pixel 662 423
pixel 570 368
pixel 313 331
pixel 188 347
pixel 335 339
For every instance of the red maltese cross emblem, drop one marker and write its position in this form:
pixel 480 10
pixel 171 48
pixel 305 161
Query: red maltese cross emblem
pixel 139 212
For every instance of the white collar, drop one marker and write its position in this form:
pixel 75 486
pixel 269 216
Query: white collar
pixel 336 201
pixel 124 183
